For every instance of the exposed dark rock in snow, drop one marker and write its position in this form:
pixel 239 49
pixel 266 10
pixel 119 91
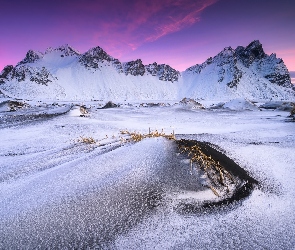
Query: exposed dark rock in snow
pixel 252 52
pixel 256 72
pixel 42 77
pixel 92 57
pixel 31 57
pixel 233 73
pixel 253 57
pixel 5 72
pixel 110 104
pixel 163 71
pixel 117 65
pixel 28 73
pixel 134 68
pixel 65 50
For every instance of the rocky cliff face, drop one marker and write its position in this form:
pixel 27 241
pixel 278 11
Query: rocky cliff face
pixel 93 57
pixel 64 50
pixel 31 57
pixel 270 67
pixel 5 72
pixel 163 71
pixel 253 52
pixel 24 72
pixel 134 68
pixel 29 70
pixel 242 72
pixel 97 57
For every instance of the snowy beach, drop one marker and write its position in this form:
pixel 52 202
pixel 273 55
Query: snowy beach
pixel 58 191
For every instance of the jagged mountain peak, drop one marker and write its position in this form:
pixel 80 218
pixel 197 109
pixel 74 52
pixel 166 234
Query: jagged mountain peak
pixel 98 52
pixel 34 56
pixel 31 57
pixel 255 45
pixel 247 55
pixel 134 68
pixel 63 72
pixel 254 51
pixel 163 71
pixel 223 56
pixel 7 69
pixel 228 49
pixel 65 50
pixel 94 56
pixel 248 69
pixel 5 72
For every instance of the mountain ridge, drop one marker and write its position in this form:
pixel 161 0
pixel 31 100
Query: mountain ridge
pixel 65 73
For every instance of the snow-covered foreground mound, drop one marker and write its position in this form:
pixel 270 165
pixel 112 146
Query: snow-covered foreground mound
pixel 58 192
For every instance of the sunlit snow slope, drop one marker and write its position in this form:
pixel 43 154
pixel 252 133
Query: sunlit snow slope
pixel 65 74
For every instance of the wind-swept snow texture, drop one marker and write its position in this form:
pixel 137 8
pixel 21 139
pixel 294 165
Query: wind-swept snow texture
pixel 59 193
pixel 65 74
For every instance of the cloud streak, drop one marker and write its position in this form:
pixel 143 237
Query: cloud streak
pixel 176 32
pixel 120 27
pixel 146 21
pixel 177 20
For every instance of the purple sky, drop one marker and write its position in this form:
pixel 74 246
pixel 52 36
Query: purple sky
pixel 180 33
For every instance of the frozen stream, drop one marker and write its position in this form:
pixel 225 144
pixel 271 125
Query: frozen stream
pixel 57 192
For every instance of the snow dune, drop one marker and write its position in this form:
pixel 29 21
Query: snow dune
pixel 57 192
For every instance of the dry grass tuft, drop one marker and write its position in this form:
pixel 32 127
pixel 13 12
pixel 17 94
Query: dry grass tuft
pixel 87 140
pixel 136 136
pixel 217 175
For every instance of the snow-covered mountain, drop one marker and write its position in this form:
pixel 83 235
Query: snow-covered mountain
pixel 63 73
pixel 292 75
pixel 242 72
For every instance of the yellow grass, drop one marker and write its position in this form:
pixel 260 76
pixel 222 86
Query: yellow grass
pixel 215 172
pixel 136 136
pixel 87 140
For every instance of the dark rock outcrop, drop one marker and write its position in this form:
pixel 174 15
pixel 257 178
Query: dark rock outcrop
pixel 110 104
pixel 163 71
pixel 93 57
pixel 230 65
pixel 31 57
pixel 134 68
pixel 33 74
pixel 5 72
pixel 252 52
pixel 64 50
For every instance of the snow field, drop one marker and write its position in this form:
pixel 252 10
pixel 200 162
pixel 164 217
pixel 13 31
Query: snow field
pixel 57 192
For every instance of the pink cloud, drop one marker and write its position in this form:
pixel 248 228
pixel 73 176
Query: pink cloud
pixel 189 15
pixel 147 21
pixel 119 27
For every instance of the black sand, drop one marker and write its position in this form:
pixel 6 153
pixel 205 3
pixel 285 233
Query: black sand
pixel 228 164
